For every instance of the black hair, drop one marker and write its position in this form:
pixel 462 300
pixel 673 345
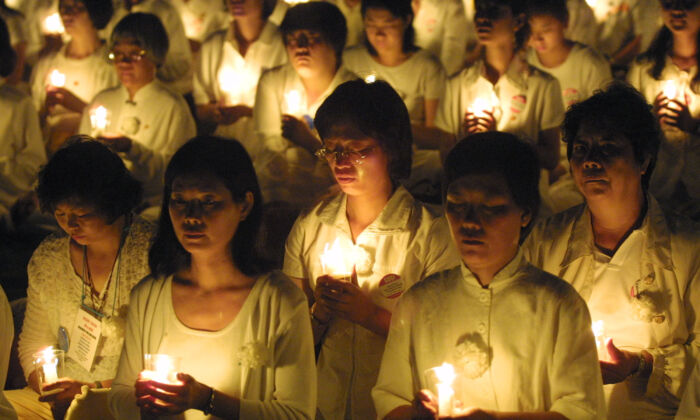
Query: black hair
pixel 619 109
pixel 147 31
pixel 490 9
pixel 495 152
pixel 554 8
pixel 399 9
pixel 228 161
pixel 324 18
pixel 100 12
pixel 8 57
pixel 86 172
pixel 660 48
pixel 357 110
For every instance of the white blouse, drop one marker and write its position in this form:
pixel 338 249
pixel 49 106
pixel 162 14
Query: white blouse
pixel 524 343
pixel 441 27
pixel 264 356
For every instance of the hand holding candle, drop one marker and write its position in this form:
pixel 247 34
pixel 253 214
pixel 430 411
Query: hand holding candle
pixel 671 108
pixel 57 79
pixel 48 365
pixel 481 115
pixel 334 260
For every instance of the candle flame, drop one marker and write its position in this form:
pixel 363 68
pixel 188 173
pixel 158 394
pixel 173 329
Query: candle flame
pixel 238 85
pixel 371 78
pixel 333 259
pixel 670 89
pixel 293 2
pixel 99 118
pixel 445 373
pixel 481 105
pixel 57 79
pixel 598 328
pixel 293 99
pixel 47 355
pixel 53 24
pixel 591 3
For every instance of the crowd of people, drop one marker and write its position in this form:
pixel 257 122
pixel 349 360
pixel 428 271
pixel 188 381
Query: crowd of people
pixel 351 209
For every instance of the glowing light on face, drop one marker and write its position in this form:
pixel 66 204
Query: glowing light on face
pixel 57 79
pixel 293 102
pixel 53 25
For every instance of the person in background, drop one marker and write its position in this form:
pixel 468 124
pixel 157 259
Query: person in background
pixel 21 148
pixel 580 71
pixel 390 54
pixel 84 272
pixel 667 76
pixel 176 70
pixel 441 27
pixel 201 19
pixel 387 241
pixel 147 122
pixel 637 267
pixel 7 334
pixel 287 99
pixel 15 24
pixel 518 339
pixel 351 9
pixel 64 81
pixel 241 332
pixel 229 66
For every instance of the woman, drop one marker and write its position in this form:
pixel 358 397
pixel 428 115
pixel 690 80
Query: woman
pixel 501 91
pixel 634 265
pixel 287 99
pixel 210 297
pixel 519 339
pixel 86 270
pixel 667 75
pixel 387 239
pixel 64 81
pixel 147 121
pixel 229 66
pixel 390 54
pixel 15 24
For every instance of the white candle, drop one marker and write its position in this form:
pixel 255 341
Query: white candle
pixel 99 119
pixel 334 261
pixel 446 397
pixel 57 79
pixel 49 365
pixel 293 101
pixel 53 25
pixel 598 328
pixel 670 89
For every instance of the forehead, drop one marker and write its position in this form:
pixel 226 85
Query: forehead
pixel 350 141
pixel 543 19
pixel 377 13
pixel 198 182
pixel 126 44
pixel 74 204
pixel 306 32
pixel 589 133
pixel 479 187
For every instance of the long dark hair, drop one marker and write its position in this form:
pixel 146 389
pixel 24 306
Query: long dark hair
pixel 228 161
pixel 660 48
pixel 399 9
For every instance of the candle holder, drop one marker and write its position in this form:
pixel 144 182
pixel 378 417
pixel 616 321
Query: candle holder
pixel 439 381
pixel 161 368
pixel 49 365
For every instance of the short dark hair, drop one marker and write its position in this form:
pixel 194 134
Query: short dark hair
pixel 554 8
pixel 486 8
pixel 619 109
pixel 495 152
pixel 147 31
pixel 400 9
pixel 357 109
pixel 8 58
pixel 322 17
pixel 228 161
pixel 86 172
pixel 100 11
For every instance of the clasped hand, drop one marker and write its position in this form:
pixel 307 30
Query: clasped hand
pixel 675 113
pixel 474 123
pixel 159 399
pixel 621 365
pixel 344 299
pixel 425 407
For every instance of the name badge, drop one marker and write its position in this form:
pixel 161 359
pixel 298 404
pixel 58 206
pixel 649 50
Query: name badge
pixel 85 338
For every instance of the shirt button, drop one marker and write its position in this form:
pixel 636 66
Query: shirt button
pixel 484 297
pixel 481 328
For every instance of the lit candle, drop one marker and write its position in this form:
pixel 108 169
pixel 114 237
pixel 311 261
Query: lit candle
pixel 160 368
pixel 333 261
pixel 99 119
pixel 50 365
pixel 482 104
pixel 57 79
pixel 446 397
pixel 371 78
pixel 598 328
pixel 293 2
pixel 53 25
pixel 238 85
pixel 293 100
pixel 670 89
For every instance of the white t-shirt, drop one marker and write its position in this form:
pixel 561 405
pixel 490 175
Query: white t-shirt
pixel 526 100
pixel 441 28
pixel 176 71
pixel 21 147
pixel 679 154
pixel 54 297
pixel 201 18
pixel 264 356
pixel 7 334
pixel 158 121
pixel 582 25
pixel 646 294
pixel 407 242
pixel 524 343
pixel 286 171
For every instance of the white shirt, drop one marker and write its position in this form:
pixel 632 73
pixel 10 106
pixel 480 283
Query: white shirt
pixel 21 147
pixel 582 25
pixel 690 404
pixel 15 26
pixel 201 18
pixel 441 28
pixel 680 151
pixel 54 297
pixel 615 25
pixel 523 343
pixel 176 71
pixel 286 171
pixel 406 242
pixel 7 334
pixel 264 356
pixel 157 120
pixel 526 100
pixel 660 264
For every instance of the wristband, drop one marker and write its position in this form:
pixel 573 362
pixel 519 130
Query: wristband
pixel 209 406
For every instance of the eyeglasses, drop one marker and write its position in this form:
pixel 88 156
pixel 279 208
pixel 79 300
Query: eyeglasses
pixel 303 39
pixel 678 4
pixel 356 157
pixel 120 57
